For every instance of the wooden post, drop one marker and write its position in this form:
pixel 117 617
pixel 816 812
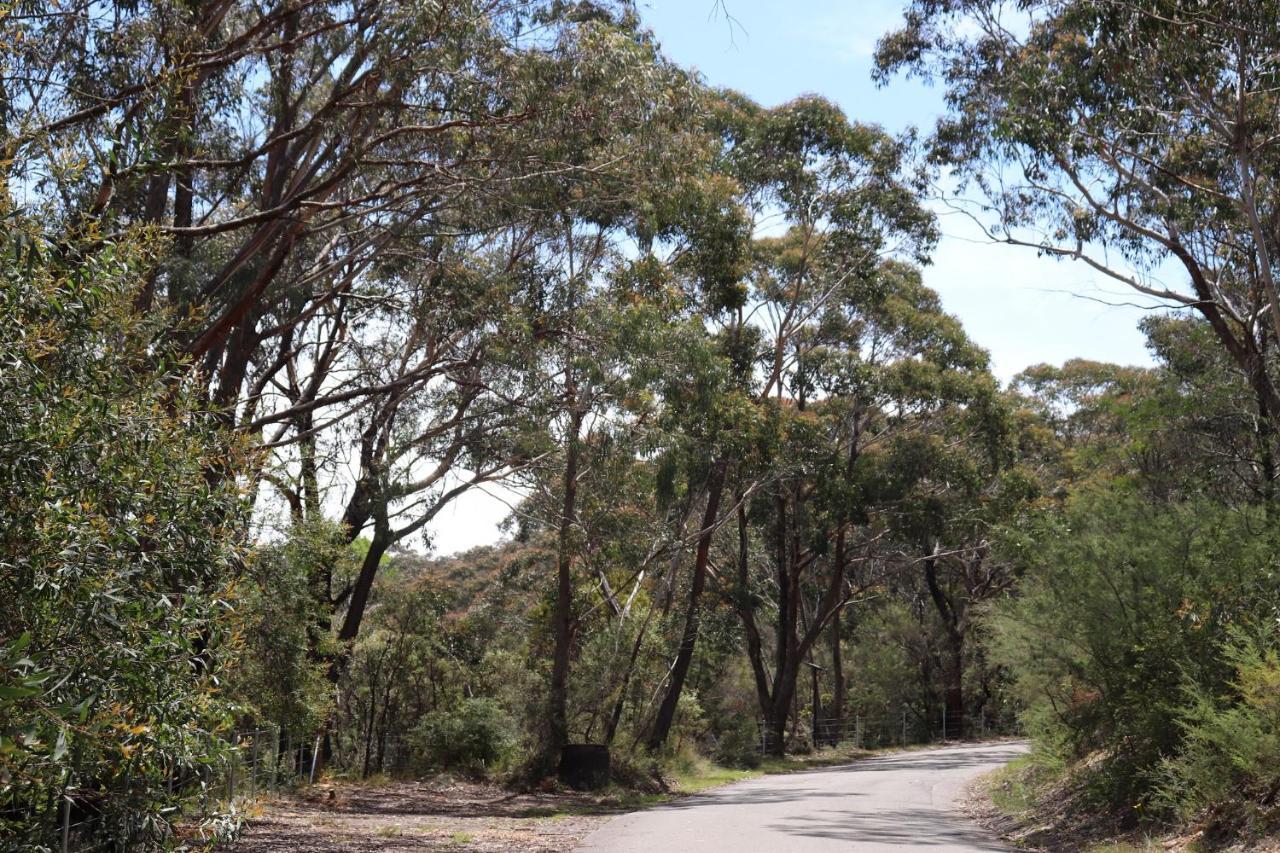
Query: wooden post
pixel 315 752
pixel 253 765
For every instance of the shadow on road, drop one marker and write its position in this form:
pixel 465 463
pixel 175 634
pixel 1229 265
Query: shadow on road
pixel 904 826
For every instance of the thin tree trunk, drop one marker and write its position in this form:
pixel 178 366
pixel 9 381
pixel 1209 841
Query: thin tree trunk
pixel 837 681
pixel 746 612
pixel 558 709
pixel 954 704
pixel 616 717
pixel 684 658
pixel 953 666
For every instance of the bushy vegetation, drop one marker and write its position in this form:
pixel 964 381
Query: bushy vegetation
pixel 1134 602
pixel 1229 762
pixel 119 524
pixel 477 736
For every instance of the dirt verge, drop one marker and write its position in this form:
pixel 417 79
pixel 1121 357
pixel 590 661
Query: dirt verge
pixel 417 816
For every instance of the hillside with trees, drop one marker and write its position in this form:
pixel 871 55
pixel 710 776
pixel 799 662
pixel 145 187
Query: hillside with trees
pixel 282 283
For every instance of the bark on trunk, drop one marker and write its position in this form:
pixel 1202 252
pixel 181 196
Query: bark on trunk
pixel 558 709
pixel 359 600
pixel 837 681
pixel 680 670
pixel 953 666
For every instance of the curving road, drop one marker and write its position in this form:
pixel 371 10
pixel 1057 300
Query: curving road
pixel 891 803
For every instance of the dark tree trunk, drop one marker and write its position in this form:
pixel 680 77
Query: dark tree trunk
pixel 684 657
pixel 359 599
pixel 953 664
pixel 746 611
pixel 954 708
pixel 837 681
pixel 783 705
pixel 558 707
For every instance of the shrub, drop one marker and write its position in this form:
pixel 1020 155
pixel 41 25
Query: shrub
pixel 1230 759
pixel 475 737
pixel 117 552
pixel 739 744
pixel 1126 601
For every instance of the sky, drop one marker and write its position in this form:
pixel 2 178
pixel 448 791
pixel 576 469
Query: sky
pixel 1022 308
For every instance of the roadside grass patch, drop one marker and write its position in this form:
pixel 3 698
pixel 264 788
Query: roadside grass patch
pixel 1011 787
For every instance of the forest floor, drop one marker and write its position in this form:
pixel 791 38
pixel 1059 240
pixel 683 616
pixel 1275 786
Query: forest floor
pixel 449 814
pixel 438 814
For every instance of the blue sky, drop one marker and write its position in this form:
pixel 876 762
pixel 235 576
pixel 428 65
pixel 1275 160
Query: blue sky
pixel 1022 308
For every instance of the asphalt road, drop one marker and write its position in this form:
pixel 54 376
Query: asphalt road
pixel 894 802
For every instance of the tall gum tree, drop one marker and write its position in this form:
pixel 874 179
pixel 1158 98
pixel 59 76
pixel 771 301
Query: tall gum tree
pixel 1135 138
pixel 841 193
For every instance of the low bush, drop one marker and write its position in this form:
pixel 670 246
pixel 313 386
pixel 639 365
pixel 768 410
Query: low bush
pixel 1229 766
pixel 476 737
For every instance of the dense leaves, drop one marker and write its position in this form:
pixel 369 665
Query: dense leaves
pixel 118 550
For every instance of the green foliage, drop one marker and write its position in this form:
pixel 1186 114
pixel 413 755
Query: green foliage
pixel 288 648
pixel 1126 602
pixel 477 736
pixel 1229 765
pixel 118 527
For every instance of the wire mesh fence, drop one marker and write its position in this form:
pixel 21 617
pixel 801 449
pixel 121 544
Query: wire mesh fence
pixel 876 731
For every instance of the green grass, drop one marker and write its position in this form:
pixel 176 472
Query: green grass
pixel 1010 788
pixel 704 775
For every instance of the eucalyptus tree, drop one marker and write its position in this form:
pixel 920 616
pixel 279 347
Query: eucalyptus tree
pixel 970 474
pixel 1136 138
pixel 883 366
pixel 839 201
pixel 283 148
pixel 427 364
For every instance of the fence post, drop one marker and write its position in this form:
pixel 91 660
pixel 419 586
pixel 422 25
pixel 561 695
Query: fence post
pixel 982 722
pixel 944 724
pixel 904 725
